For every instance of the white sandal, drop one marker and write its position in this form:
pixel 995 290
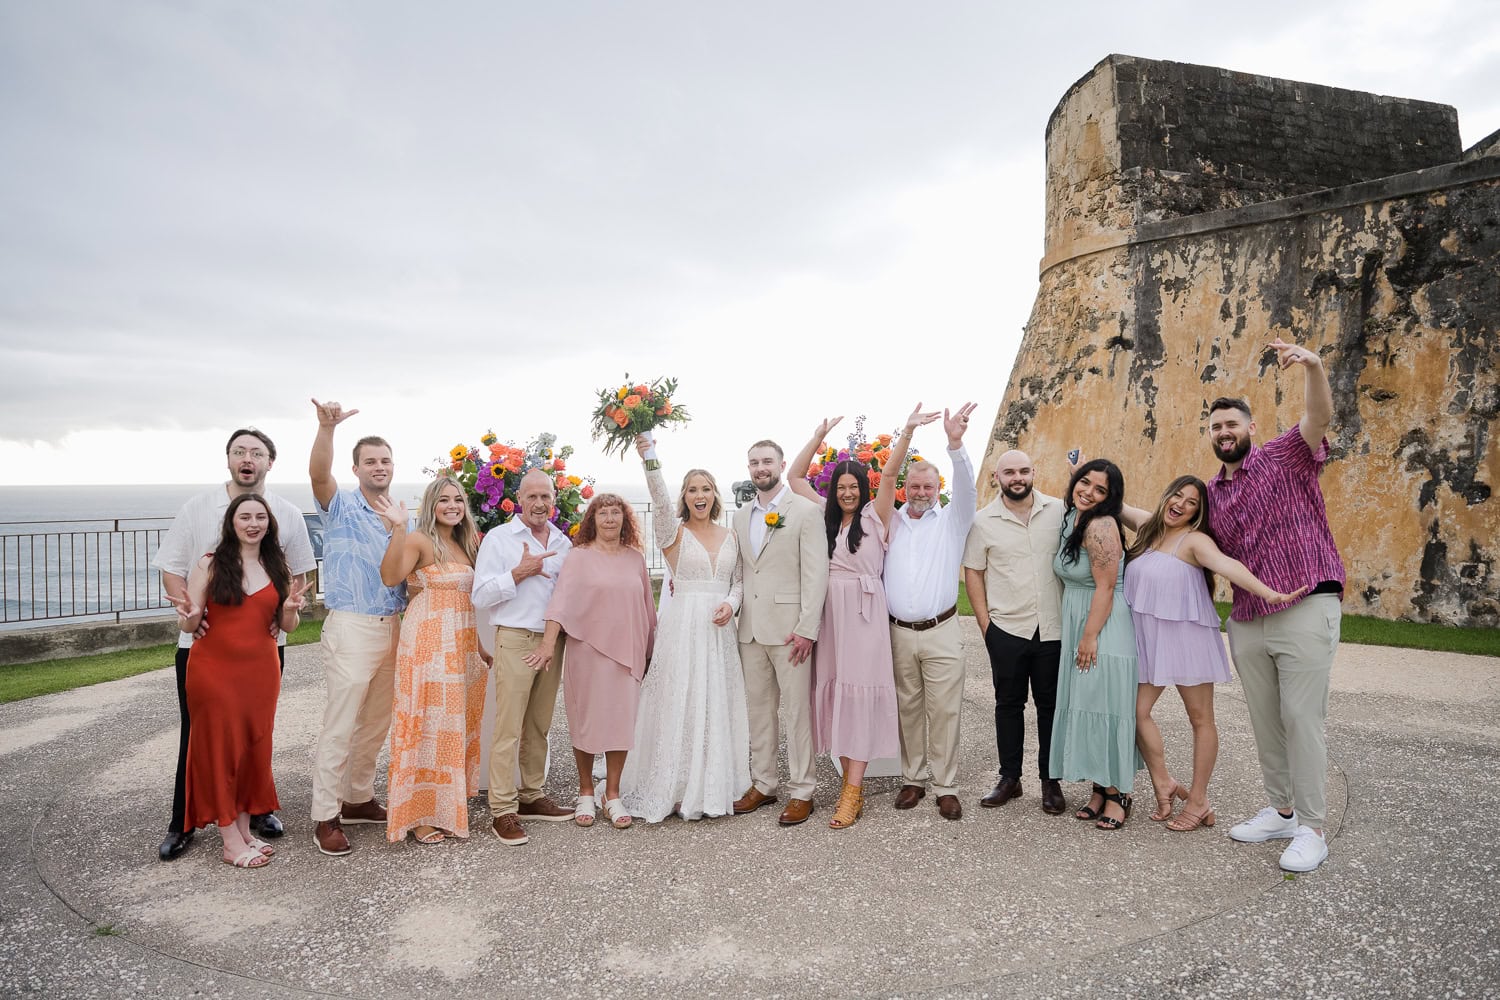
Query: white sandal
pixel 249 858
pixel 614 811
pixel 583 813
pixel 262 846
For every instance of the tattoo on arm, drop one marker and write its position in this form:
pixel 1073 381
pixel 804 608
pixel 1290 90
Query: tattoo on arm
pixel 1102 542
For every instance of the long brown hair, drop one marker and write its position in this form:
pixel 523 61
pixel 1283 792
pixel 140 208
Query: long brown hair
pixel 588 529
pixel 1156 524
pixel 226 571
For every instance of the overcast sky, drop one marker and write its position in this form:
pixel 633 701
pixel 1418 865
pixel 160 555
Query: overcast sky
pixel 458 216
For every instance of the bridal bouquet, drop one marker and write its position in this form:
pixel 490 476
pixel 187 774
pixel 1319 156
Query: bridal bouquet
pixel 871 454
pixel 491 479
pixel 635 408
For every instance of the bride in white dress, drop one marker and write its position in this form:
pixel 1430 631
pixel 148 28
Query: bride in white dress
pixel 692 736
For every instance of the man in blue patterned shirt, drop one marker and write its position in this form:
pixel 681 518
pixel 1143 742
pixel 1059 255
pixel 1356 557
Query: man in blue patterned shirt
pixel 360 635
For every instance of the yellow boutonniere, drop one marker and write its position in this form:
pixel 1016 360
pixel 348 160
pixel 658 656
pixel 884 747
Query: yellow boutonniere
pixel 774 520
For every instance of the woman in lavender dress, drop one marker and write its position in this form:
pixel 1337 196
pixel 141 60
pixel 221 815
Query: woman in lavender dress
pixel 1169 587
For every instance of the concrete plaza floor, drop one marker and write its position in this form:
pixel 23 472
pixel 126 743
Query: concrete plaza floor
pixel 1007 902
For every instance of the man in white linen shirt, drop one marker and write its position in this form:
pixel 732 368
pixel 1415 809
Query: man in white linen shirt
pixel 921 574
pixel 514 575
pixel 195 531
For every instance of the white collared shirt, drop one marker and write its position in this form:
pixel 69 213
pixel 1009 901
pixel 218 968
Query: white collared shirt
pixel 498 599
pixel 758 516
pixel 195 532
pixel 923 561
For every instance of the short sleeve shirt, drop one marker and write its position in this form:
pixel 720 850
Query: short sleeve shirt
pixel 1271 517
pixel 354 542
pixel 1023 595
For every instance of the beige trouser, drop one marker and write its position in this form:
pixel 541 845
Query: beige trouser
pixel 359 671
pixel 771 679
pixel 1284 660
pixel 929 698
pixel 524 702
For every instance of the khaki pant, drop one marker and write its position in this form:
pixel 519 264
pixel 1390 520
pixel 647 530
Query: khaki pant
pixel 929 698
pixel 771 679
pixel 524 702
pixel 1284 660
pixel 359 671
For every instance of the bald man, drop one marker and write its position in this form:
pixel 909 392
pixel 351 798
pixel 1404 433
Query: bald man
pixel 514 574
pixel 1018 602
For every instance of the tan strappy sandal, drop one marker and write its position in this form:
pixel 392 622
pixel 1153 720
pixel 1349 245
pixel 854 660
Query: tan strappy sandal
pixel 851 806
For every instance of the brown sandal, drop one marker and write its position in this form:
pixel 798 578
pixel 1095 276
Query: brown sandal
pixel 851 806
pixel 1186 822
pixel 1164 810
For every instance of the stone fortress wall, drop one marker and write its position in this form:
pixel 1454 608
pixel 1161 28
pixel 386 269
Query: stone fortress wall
pixel 1194 214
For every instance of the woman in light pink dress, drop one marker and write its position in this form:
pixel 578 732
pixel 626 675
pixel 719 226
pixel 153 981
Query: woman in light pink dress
pixel 603 604
pixel 854 684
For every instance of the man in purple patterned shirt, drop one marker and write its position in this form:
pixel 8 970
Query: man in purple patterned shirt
pixel 1267 510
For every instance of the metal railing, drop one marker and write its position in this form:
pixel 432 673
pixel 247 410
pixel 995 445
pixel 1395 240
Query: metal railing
pixel 65 572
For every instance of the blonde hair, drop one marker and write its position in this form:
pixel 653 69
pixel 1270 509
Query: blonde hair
pixel 465 532
pixel 922 465
pixel 682 505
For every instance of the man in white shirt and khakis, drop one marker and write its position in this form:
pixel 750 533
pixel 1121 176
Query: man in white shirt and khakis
pixel 921 588
pixel 1018 602
pixel 514 575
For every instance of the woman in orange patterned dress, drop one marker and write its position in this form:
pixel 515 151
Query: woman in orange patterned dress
pixel 440 670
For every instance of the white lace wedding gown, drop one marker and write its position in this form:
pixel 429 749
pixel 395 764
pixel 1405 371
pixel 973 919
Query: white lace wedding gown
pixel 692 736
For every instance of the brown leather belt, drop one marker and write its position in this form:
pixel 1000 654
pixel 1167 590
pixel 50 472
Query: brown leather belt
pixel 923 626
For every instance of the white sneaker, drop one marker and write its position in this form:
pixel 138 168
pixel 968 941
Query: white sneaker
pixel 1268 824
pixel 1306 851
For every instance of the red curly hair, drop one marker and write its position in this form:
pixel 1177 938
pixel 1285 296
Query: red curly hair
pixel 588 528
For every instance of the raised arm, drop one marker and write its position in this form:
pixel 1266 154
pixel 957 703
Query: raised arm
pixel 1102 542
pixel 796 473
pixel 885 495
pixel 665 526
pixel 1318 393
pixel 1200 549
pixel 320 460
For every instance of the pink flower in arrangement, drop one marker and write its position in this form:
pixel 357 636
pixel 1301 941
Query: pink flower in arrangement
pixel 587 492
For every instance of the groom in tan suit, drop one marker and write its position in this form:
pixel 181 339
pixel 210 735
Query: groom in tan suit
pixel 784 561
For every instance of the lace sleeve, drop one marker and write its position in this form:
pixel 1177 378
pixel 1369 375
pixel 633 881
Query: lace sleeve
pixel 736 583
pixel 664 523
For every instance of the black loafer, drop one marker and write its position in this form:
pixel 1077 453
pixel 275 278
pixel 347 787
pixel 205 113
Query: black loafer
pixel 174 844
pixel 268 826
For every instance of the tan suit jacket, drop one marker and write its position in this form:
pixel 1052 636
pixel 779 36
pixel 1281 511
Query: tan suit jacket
pixel 786 581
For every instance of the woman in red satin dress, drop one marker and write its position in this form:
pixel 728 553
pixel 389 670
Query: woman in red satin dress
pixel 244 590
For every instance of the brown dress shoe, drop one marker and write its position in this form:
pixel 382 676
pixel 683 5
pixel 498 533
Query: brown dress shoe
pixel 330 838
pixel 949 807
pixel 355 813
pixel 509 830
pixel 751 801
pixel 1053 801
pixel 544 809
pixel 796 811
pixel 1005 789
pixel 909 796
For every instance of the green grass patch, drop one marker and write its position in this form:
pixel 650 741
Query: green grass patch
pixel 1365 631
pixel 964 607
pixel 28 680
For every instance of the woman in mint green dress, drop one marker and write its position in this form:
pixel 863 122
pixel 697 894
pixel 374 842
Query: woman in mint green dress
pixel 1093 728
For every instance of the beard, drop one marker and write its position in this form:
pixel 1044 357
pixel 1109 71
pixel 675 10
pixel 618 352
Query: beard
pixel 770 484
pixel 919 506
pixel 1017 491
pixel 1234 452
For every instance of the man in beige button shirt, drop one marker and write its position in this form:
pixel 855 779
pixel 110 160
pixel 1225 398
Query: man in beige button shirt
pixel 1017 600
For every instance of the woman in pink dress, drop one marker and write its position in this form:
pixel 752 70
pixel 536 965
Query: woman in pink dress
pixel 854 684
pixel 602 603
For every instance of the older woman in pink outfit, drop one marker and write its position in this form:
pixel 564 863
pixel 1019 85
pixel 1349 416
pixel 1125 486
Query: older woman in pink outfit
pixel 603 604
pixel 854 685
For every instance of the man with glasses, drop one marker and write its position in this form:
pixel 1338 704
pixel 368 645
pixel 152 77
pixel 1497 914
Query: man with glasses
pixel 195 531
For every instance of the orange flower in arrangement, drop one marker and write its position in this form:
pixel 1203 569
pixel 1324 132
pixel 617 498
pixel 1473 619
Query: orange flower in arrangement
pixel 883 438
pixel 508 505
pixel 815 468
pixel 559 465
pixel 632 401
pixel 639 390
pixel 498 450
pixel 901 494
pixel 587 492
pixel 574 530
pixel 665 409
pixel 632 408
pixel 874 480
pixel 621 419
pixel 457 465
pixel 561 482
pixel 865 455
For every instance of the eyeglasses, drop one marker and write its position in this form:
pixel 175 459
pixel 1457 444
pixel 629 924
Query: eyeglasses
pixel 256 454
